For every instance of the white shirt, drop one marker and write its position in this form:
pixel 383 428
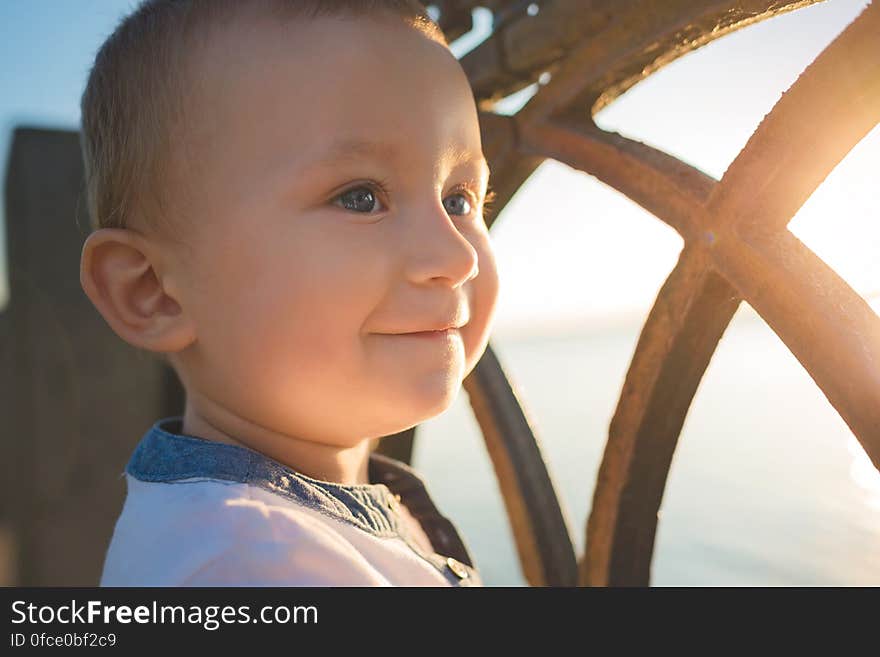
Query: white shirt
pixel 202 513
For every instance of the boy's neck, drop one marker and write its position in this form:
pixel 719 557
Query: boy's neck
pixel 341 465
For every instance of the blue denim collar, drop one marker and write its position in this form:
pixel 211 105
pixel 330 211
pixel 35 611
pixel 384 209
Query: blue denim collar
pixel 165 455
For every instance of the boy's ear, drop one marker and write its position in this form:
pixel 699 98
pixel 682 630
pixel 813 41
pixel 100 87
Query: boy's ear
pixel 119 272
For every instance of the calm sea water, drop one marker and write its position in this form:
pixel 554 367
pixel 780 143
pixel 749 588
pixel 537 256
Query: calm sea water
pixel 768 485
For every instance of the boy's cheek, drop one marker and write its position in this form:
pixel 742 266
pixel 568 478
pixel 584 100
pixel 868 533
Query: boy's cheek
pixel 482 293
pixel 487 281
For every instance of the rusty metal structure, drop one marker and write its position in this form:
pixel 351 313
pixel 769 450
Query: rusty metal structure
pixel 737 246
pixel 67 382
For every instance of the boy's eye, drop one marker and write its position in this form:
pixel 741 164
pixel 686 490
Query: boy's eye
pixel 463 206
pixel 358 199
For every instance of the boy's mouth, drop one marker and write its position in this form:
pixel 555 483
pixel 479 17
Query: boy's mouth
pixel 445 333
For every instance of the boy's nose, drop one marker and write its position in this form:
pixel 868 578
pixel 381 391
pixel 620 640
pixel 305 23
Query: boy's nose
pixel 436 248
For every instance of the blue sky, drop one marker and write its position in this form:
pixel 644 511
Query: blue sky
pixel 570 250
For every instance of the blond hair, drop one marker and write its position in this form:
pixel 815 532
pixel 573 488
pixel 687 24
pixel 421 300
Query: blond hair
pixel 134 98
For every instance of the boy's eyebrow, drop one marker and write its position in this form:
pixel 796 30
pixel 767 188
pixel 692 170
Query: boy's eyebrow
pixel 347 149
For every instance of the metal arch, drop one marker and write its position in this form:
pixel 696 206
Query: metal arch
pixel 736 246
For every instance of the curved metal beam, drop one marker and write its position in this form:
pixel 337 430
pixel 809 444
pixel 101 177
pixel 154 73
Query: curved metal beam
pixel 801 298
pixel 540 529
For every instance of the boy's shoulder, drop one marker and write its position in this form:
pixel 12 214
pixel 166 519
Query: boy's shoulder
pixel 203 532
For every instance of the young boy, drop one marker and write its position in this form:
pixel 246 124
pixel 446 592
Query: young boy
pixel 288 200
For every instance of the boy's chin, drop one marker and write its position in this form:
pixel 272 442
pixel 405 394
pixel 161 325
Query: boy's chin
pixel 433 398
pixel 416 405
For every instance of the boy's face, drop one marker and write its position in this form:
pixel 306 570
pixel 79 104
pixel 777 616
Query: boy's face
pixel 302 269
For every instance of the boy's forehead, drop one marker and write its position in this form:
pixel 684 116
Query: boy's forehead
pixel 331 91
pixel 347 148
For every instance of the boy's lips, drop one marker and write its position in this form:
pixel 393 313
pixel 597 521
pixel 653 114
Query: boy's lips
pixel 445 333
pixel 438 327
